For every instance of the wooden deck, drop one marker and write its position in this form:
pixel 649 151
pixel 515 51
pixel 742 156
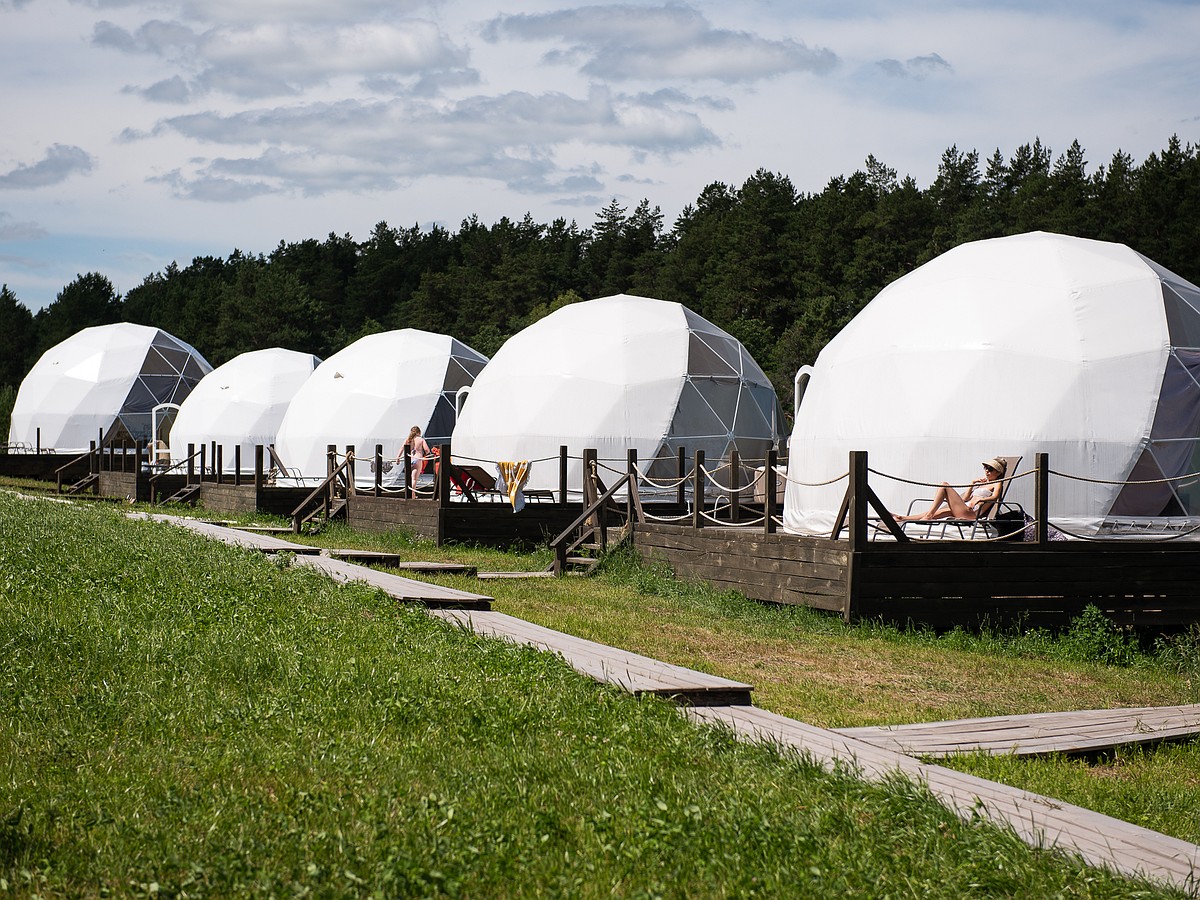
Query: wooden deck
pixel 1037 733
pixel 1041 821
pixel 610 665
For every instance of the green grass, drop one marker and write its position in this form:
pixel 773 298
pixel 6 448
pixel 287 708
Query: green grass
pixel 180 718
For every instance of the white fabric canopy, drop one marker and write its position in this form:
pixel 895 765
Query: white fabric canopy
pixel 612 374
pixel 1080 349
pixel 372 392
pixel 241 403
pixel 103 379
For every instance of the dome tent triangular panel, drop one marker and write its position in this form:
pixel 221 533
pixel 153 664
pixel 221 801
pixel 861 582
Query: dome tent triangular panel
pixel 92 383
pixel 241 403
pixel 1035 343
pixel 610 374
pixel 371 392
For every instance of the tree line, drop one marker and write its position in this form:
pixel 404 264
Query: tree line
pixel 779 269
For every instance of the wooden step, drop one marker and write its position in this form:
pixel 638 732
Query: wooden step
pixel 83 484
pixel 184 495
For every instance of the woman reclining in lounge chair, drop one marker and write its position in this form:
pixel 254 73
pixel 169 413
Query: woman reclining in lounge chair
pixel 975 503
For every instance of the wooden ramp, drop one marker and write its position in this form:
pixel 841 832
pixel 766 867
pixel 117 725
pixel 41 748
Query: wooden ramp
pixel 407 589
pixel 629 671
pixel 1038 733
pixel 1041 821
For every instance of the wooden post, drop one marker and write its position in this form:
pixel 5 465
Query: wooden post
pixel 259 478
pixel 215 462
pixel 698 490
pixel 735 484
pixel 408 472
pixel 562 474
pixel 237 464
pixel 100 454
pixel 330 465
pixel 349 469
pixel 1042 497
pixel 769 486
pixel 589 486
pixel 191 461
pixel 856 497
pixel 858 500
pixel 631 470
pixel 681 475
pixel 443 476
pixel 379 470
pixel 219 460
pixel 38 433
pixel 203 448
pixel 93 459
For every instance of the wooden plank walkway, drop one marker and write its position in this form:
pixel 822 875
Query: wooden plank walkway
pixel 1041 821
pixel 610 665
pixel 1036 733
pixel 233 536
pixel 485 576
pixel 435 596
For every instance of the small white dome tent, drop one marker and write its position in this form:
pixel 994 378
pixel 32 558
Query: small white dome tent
pixel 108 379
pixel 1081 349
pixel 372 392
pixel 617 373
pixel 241 403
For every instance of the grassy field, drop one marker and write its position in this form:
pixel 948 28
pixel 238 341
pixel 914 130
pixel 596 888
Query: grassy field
pixel 180 718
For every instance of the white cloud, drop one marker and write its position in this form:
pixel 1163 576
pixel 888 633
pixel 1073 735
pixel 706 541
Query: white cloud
pixel 621 42
pixel 60 163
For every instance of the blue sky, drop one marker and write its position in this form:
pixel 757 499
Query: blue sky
pixel 137 133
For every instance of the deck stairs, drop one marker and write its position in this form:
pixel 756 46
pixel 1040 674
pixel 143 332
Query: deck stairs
pixel 189 493
pixel 315 519
pixel 582 544
pixel 86 483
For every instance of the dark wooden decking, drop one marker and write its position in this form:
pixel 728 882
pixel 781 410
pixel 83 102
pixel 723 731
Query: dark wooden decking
pixel 1037 733
pixel 1041 821
pixel 941 584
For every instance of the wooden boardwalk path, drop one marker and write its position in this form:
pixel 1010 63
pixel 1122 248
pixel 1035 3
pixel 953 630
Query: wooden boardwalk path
pixel 1037 733
pixel 407 589
pixel 234 536
pixel 1040 821
pixel 621 668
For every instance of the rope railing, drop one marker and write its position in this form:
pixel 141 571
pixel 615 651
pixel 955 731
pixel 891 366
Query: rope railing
pixel 1006 480
pixel 1190 476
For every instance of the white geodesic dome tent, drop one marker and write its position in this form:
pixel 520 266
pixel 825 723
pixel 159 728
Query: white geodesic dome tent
pixel 372 392
pixel 1037 343
pixel 241 404
pixel 105 379
pixel 614 374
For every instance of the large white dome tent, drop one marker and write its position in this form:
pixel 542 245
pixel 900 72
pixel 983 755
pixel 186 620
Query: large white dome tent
pixel 104 379
pixel 617 373
pixel 1081 349
pixel 241 403
pixel 372 392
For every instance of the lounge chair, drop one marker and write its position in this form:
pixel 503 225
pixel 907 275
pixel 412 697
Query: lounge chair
pixel 992 523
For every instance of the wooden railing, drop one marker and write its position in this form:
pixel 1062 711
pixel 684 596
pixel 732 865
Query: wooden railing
pixel 593 522
pixel 338 476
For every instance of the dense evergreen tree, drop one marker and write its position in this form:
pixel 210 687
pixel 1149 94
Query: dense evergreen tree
pixel 16 339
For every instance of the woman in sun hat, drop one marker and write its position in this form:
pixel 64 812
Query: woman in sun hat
pixel 975 503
